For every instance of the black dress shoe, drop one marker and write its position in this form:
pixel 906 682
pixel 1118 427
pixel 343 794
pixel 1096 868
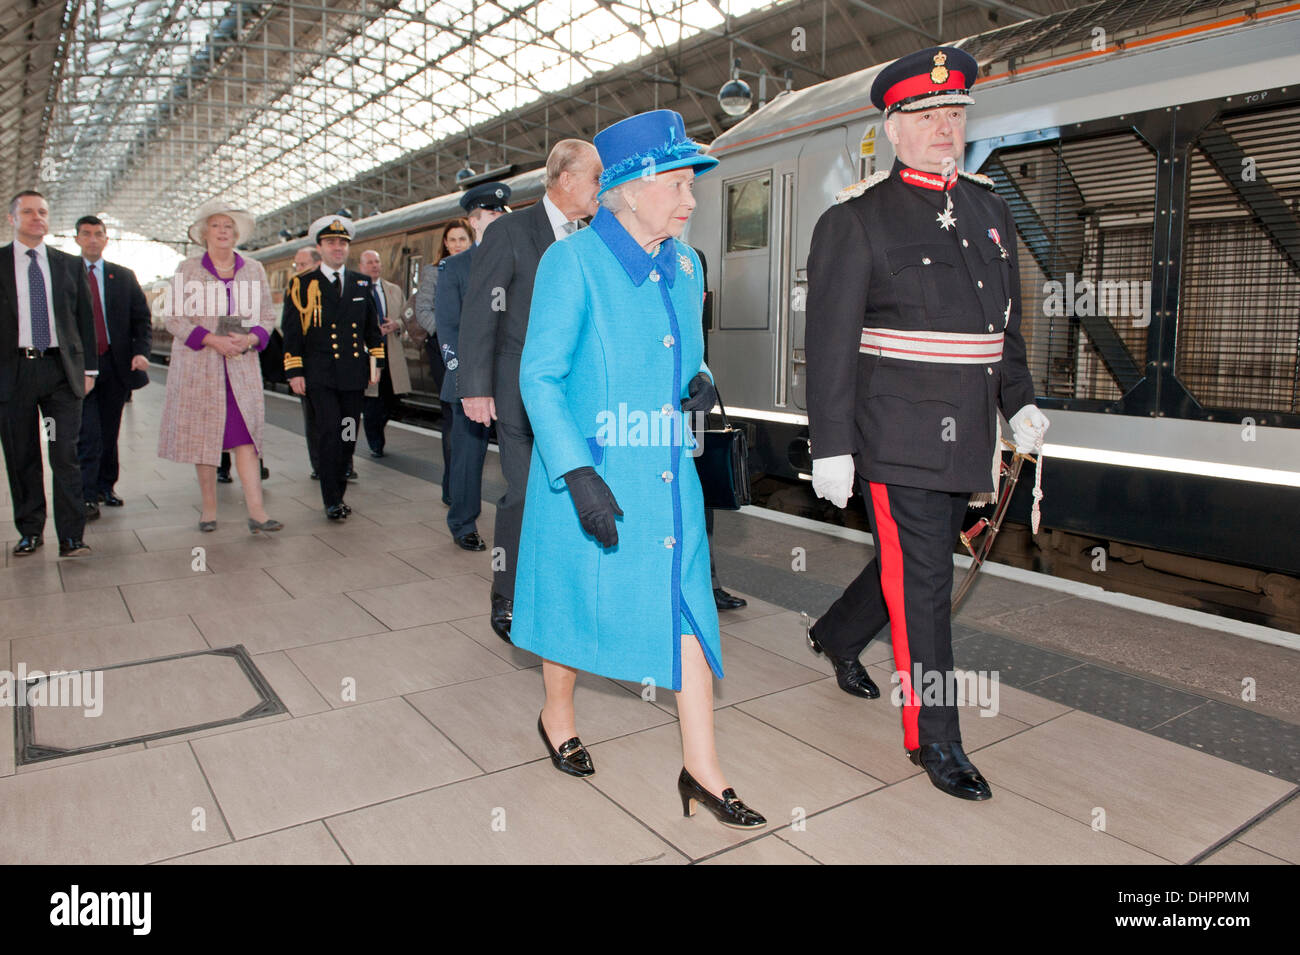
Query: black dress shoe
pixel 335 512
pixel 729 809
pixel 111 499
pixel 315 475
pixel 27 544
pixel 726 601
pixel 347 509
pixel 851 675
pixel 572 757
pixel 951 771
pixel 376 452
pixel 92 511
pixel 471 541
pixel 73 547
pixel 223 476
pixel 503 613
pixel 352 474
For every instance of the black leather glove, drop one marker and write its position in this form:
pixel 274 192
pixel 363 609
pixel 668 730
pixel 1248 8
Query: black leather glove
pixel 703 395
pixel 595 503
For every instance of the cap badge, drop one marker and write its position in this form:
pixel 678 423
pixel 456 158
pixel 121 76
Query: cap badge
pixel 940 72
pixel 336 224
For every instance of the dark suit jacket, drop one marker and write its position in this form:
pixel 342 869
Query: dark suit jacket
pixel 448 299
pixel 127 316
pixel 73 320
pixel 507 260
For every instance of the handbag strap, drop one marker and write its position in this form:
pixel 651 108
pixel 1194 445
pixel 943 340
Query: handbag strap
pixel 726 425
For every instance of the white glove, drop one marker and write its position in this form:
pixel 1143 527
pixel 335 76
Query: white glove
pixel 1028 428
pixel 833 478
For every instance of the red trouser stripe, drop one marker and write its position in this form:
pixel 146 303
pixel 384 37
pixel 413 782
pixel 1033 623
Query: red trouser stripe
pixel 890 554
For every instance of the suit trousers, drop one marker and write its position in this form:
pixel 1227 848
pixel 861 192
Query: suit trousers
pixel 908 584
pixel 336 415
pixel 376 411
pixel 469 448
pixel 42 397
pixel 515 442
pixel 101 422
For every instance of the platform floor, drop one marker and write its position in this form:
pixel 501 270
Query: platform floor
pixel 1118 738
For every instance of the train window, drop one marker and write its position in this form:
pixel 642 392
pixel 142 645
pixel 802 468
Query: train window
pixel 748 202
pixel 1084 213
pixel 1239 305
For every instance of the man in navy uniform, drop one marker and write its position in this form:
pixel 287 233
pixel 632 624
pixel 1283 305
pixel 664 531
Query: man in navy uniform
pixel 913 346
pixel 333 349
pixel 483 205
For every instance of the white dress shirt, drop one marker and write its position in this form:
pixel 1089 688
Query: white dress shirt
pixel 558 219
pixel 22 262
pixel 329 273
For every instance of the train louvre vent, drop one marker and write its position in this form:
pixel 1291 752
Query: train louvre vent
pixel 1025 43
pixel 1083 212
pixel 1239 305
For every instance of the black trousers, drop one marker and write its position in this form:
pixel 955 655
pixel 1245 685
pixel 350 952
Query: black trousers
pixel 101 422
pixel 909 586
pixel 336 415
pixel 469 448
pixel 515 442
pixel 376 411
pixel 42 398
pixel 309 432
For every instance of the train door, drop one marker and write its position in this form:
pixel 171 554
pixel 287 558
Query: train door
pixel 825 165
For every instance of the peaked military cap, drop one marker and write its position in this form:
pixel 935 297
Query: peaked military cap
pixel 332 225
pixel 939 76
pixel 486 195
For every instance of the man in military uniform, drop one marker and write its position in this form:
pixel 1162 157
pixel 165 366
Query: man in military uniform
pixel 333 349
pixel 913 345
pixel 483 205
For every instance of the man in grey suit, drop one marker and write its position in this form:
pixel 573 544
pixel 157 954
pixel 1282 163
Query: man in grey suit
pixel 48 363
pixel 494 321
pixel 483 204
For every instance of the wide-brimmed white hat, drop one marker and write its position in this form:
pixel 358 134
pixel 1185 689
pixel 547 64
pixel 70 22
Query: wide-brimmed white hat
pixel 243 220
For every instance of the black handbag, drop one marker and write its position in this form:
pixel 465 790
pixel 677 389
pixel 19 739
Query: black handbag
pixel 723 466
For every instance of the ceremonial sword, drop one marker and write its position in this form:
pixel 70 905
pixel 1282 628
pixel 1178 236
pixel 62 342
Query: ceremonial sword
pixel 988 527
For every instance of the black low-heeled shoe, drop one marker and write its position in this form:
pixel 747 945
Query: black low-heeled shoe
pixel 572 757
pixel 729 809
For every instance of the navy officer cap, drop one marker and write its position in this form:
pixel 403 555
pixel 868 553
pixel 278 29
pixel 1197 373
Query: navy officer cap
pixel 486 195
pixel 939 76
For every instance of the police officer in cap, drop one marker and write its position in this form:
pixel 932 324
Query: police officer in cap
pixel 913 346
pixel 483 204
pixel 333 349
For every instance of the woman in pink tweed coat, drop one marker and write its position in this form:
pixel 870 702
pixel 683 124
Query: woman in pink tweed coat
pixel 220 315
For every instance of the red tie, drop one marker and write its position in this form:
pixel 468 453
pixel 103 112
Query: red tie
pixel 101 330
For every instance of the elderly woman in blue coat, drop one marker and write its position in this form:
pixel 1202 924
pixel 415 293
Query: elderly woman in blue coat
pixel 613 573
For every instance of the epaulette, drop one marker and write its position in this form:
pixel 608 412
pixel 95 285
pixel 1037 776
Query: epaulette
pixel 858 188
pixel 978 179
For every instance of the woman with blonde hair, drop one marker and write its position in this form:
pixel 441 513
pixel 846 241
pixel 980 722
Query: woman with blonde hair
pixel 220 315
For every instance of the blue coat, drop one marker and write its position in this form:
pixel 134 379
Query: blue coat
pixel 448 297
pixel 614 338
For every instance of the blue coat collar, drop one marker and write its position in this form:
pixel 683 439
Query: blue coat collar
pixel 630 255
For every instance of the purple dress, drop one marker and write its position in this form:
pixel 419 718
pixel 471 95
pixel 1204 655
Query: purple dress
pixel 236 432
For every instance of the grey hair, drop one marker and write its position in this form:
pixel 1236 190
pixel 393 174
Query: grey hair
pixel 371 252
pixel 564 156
pixel 617 198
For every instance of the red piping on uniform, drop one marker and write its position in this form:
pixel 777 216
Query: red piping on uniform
pixel 890 554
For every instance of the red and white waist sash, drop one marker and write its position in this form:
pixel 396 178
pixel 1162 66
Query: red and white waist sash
pixel 948 348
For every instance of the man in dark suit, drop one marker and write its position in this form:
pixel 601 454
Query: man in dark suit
pixel 122 339
pixel 483 205
pixel 333 349
pixel 48 364
pixel 494 321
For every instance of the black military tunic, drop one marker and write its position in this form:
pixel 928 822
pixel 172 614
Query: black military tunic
pixel 937 282
pixel 330 337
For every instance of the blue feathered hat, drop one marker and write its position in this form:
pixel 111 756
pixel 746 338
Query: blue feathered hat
pixel 647 143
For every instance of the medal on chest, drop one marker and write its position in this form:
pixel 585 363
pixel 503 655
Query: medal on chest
pixel 946 219
pixel 993 234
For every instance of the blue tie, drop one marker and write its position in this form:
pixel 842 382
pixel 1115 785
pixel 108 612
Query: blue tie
pixel 379 301
pixel 40 308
